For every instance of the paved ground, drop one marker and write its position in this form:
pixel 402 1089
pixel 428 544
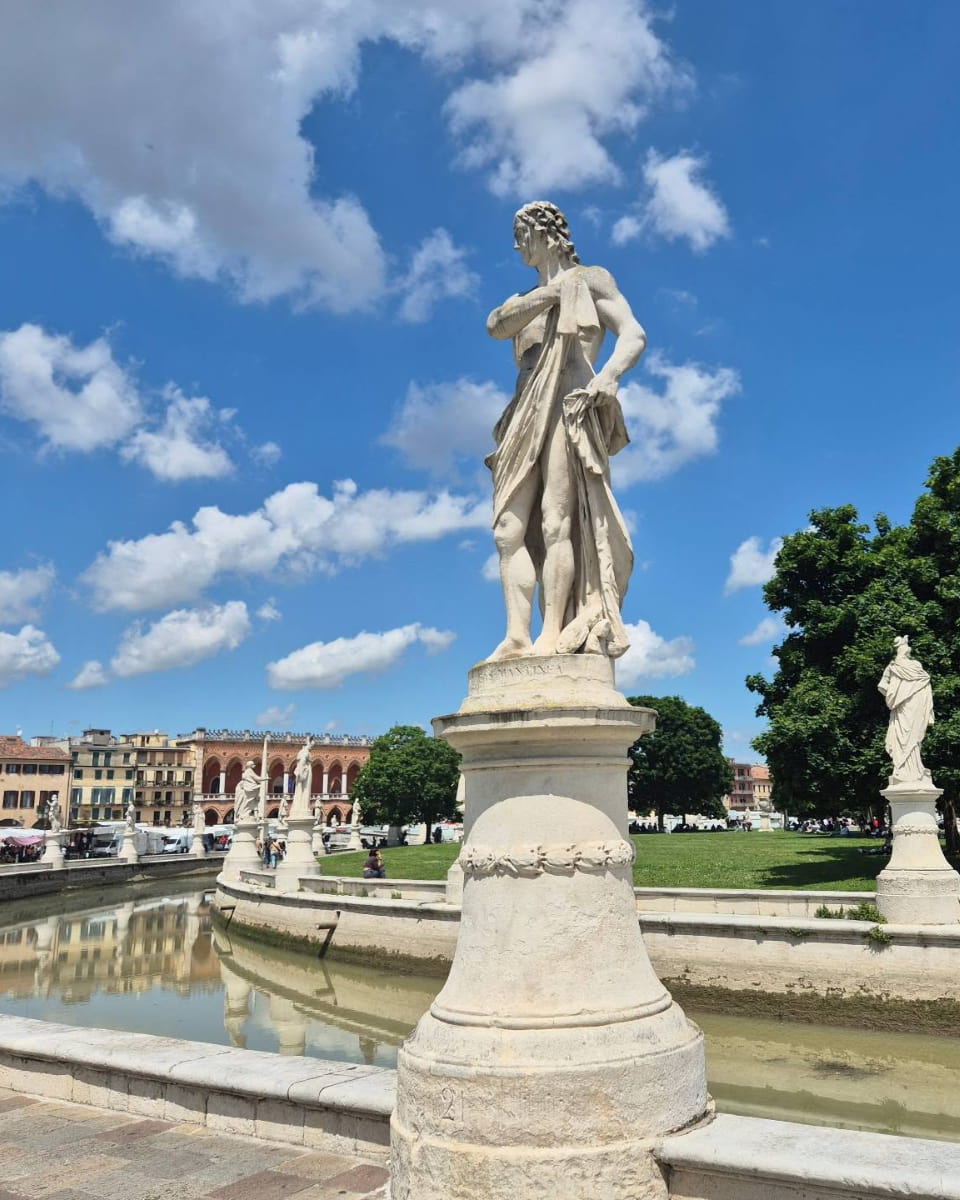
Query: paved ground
pixel 54 1151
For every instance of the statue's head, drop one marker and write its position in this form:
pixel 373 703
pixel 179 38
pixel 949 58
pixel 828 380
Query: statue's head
pixel 901 646
pixel 251 763
pixel 542 222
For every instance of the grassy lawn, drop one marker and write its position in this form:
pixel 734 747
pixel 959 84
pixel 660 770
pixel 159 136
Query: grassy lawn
pixel 710 860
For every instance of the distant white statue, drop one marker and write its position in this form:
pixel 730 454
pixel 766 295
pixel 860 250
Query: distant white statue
pixel 355 815
pixel 247 796
pixel 905 686
pixel 131 815
pixel 556 523
pixel 303 779
pixel 53 814
pixel 284 810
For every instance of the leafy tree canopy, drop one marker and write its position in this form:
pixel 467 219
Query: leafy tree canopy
pixel 680 768
pixel 845 590
pixel 408 777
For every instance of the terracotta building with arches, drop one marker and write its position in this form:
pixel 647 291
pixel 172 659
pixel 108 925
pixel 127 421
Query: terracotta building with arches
pixel 222 753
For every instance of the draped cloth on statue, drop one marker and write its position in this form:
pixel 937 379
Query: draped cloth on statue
pixel 906 689
pixel 602 552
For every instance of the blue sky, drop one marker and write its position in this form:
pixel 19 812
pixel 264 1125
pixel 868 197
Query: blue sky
pixel 246 255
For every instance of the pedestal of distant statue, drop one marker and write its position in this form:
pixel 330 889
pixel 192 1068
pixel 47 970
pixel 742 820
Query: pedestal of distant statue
pixel 553 1056
pixel 299 859
pixel 199 831
pixel 52 856
pixel 765 826
pixel 317 839
pixel 242 855
pixel 128 851
pixel 918 886
pixel 454 889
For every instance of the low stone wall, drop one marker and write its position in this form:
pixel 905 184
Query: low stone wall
pixel 345 1108
pixel 424 933
pixel 35 880
pixel 744 1158
pixel 742 903
pixel 382 889
pixel 834 959
pixel 333 1106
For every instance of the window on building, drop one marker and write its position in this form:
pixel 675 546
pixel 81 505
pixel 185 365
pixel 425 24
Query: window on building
pixel 107 758
pixel 156 816
pixel 28 799
pixel 98 774
pixel 9 799
pixel 29 768
pixel 76 796
pixel 78 773
pixel 13 768
pixel 125 796
pixel 94 816
pixel 188 777
pixel 168 817
pixel 168 798
pixel 96 758
pixel 74 813
pixel 128 774
pixel 109 774
pixel 156 797
pixel 126 757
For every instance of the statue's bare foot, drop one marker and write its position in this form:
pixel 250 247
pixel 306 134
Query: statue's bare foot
pixel 511 647
pixel 545 644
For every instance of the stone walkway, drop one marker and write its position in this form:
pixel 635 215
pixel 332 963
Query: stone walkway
pixel 55 1151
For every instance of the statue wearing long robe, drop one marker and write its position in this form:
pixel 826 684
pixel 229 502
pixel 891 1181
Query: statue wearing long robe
pixel 906 688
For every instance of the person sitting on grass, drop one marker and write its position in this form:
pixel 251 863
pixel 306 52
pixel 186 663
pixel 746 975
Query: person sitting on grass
pixel 373 867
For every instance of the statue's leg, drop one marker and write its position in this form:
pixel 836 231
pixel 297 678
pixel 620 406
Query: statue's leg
pixel 559 499
pixel 518 576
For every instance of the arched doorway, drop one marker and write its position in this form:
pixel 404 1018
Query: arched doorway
pixel 334 817
pixel 352 772
pixel 335 779
pixel 212 781
pixel 211 817
pixel 234 771
pixel 275 774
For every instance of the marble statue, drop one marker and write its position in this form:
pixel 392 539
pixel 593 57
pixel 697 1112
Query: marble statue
pixel 247 795
pixel 284 810
pixel 302 778
pixel 131 815
pixel 556 523
pixel 355 814
pixel 905 686
pixel 53 814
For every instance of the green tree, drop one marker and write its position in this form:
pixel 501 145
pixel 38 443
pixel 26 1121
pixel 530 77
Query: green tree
pixel 680 768
pixel 408 777
pixel 845 590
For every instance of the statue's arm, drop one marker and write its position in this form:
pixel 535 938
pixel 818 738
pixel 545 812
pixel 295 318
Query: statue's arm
pixel 517 312
pixel 616 315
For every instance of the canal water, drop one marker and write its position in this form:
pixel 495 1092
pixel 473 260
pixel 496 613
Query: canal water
pixel 156 965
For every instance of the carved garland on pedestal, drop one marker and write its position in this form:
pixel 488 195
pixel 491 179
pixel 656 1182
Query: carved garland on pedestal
pixel 561 859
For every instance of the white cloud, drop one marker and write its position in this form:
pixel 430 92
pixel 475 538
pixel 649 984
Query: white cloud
pixel 295 528
pixel 180 639
pixel 22 591
pixel 652 657
pixel 275 717
pixel 445 424
pixel 751 565
pixel 328 664
pixel 767 630
pixel 678 204
pixel 185 140
pixel 491 568
pixel 28 652
pixel 574 72
pixel 438 271
pixel 267 454
pixel 78 397
pixel 268 611
pixel 669 428
pixel 176 450
pixel 90 675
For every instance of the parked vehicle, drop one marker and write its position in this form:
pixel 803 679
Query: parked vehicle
pixel 108 839
pixel 178 841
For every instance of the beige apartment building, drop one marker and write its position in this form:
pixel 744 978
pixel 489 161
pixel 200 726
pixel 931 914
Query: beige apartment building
pixel 155 771
pixel 751 790
pixel 29 776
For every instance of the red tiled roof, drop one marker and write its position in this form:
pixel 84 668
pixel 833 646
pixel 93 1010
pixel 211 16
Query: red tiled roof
pixel 15 749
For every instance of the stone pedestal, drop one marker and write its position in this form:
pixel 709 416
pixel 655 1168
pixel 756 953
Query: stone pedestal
pixel 299 859
pixel 918 886
pixel 53 850
pixel 242 855
pixel 553 1054
pixel 128 851
pixel 354 843
pixel 454 892
pixel 317 840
